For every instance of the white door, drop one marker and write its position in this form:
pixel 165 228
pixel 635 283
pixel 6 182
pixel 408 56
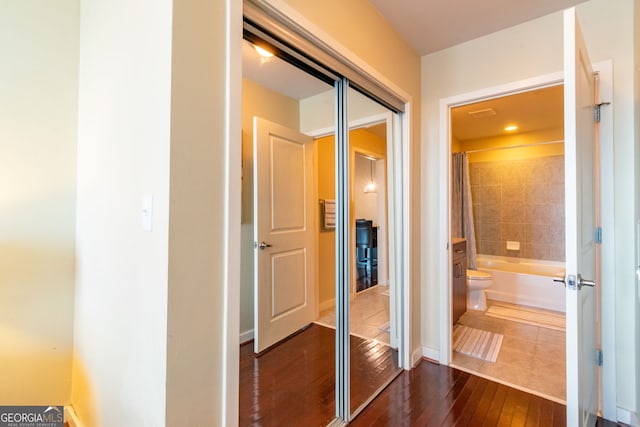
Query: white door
pixel 580 181
pixel 284 236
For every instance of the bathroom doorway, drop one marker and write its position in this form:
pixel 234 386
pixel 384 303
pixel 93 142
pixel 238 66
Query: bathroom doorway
pixel 508 160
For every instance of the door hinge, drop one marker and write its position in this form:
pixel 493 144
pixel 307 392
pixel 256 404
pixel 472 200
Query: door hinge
pixel 598 236
pixel 597 113
pixel 599 357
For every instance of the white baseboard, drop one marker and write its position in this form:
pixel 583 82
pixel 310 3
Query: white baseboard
pixel 431 354
pixel 416 357
pixel 326 305
pixel 246 336
pixel 70 417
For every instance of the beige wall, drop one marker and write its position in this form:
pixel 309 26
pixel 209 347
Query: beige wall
pixel 120 351
pixel 361 29
pixel 204 211
pixel 327 238
pixel 258 101
pixel 535 48
pixel 38 113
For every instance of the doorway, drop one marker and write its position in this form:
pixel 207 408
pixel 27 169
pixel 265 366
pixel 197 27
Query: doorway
pixel 604 71
pixel 511 150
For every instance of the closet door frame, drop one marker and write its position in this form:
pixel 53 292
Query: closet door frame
pixel 327 59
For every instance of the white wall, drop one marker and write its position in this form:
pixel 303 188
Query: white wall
pixel 119 373
pixel 528 50
pixel 318 112
pixel 38 112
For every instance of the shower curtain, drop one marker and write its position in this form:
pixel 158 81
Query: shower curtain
pixel 462 206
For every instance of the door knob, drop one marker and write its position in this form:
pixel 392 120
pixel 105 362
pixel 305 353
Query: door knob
pixel 585 282
pixel 264 245
pixel 574 282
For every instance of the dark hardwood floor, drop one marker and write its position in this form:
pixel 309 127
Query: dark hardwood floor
pixel 435 395
pixel 293 384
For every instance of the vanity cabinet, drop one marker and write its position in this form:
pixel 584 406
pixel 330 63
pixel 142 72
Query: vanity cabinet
pixel 459 279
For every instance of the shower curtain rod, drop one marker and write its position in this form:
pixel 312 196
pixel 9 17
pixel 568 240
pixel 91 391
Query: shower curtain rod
pixel 533 144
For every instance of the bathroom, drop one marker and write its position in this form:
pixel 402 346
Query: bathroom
pixel 507 220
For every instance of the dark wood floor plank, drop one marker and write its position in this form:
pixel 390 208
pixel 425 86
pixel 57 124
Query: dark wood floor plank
pixel 533 413
pixel 546 413
pixel 482 408
pixel 559 416
pixel 434 395
pixel 428 395
pixel 294 382
pixel 495 406
pixel 522 408
pixel 508 408
pixel 462 401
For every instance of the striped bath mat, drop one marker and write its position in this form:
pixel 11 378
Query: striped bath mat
pixel 476 343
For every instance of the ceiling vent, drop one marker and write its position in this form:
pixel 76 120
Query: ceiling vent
pixel 482 113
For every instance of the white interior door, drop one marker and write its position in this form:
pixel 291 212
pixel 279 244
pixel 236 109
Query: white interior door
pixel 285 258
pixel 580 181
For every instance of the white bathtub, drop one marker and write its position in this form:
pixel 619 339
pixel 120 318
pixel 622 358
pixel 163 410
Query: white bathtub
pixel 524 281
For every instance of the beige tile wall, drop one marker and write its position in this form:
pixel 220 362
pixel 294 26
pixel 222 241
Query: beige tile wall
pixel 520 200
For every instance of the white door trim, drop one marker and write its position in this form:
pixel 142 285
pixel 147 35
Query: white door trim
pixel 605 68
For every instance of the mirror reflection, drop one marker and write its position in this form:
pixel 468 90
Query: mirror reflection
pixel 287 362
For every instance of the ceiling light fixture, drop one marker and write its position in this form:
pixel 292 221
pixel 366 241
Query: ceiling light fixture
pixel 511 128
pixel 371 186
pixel 262 51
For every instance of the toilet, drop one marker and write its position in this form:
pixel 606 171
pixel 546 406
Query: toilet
pixel 477 283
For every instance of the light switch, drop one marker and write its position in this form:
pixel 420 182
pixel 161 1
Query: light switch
pixel 147 212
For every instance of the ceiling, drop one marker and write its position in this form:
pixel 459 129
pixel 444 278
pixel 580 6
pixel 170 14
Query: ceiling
pixel 432 25
pixel 429 26
pixel 531 111
pixel 279 75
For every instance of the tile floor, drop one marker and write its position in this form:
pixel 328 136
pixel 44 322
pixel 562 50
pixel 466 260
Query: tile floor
pixel 531 357
pixel 369 314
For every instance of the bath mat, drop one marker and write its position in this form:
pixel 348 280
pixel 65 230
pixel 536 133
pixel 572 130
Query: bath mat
pixel 477 343
pixel 529 315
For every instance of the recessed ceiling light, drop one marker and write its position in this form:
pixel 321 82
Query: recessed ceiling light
pixel 263 52
pixel 511 128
